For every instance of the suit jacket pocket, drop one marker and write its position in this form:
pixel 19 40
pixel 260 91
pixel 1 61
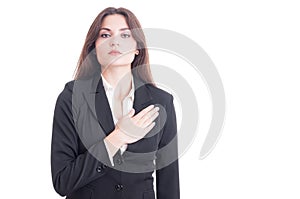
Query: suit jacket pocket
pixel 149 194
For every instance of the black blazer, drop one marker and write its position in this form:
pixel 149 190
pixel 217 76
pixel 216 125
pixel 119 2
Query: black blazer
pixel 80 165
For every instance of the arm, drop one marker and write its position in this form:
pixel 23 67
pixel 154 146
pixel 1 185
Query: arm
pixel 71 170
pixel 167 175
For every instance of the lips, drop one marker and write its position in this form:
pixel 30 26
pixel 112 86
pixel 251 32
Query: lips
pixel 114 52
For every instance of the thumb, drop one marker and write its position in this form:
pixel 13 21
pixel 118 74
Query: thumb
pixel 131 113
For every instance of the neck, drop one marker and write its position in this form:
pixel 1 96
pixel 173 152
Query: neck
pixel 119 77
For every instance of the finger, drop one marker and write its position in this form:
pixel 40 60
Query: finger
pixel 150 120
pixel 143 112
pixel 131 113
pixel 148 116
pixel 148 128
pixel 129 128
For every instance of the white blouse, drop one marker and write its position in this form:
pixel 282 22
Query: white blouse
pixel 127 105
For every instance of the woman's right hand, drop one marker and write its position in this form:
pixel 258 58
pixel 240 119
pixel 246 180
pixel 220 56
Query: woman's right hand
pixel 130 129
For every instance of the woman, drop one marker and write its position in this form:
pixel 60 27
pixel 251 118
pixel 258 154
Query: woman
pixel 112 126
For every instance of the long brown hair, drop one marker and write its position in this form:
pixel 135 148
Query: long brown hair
pixel 88 64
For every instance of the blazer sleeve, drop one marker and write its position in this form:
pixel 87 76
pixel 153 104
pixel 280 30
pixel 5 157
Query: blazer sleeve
pixel 71 170
pixel 167 173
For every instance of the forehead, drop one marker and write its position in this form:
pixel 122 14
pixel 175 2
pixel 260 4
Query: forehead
pixel 114 22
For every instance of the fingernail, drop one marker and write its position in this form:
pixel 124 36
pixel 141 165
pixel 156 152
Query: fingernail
pixel 151 106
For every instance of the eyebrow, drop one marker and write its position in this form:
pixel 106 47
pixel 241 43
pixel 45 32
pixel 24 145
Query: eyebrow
pixel 122 29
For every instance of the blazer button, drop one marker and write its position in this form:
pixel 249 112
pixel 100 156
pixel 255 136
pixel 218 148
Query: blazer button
pixel 104 166
pixel 99 169
pixel 119 187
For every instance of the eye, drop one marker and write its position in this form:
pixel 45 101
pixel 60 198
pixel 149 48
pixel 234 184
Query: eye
pixel 105 35
pixel 125 35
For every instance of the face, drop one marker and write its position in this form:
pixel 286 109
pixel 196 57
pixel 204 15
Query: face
pixel 115 45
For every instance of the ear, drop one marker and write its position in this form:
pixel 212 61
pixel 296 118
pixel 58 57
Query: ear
pixel 137 52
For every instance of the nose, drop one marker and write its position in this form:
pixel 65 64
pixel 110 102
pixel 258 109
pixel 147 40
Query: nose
pixel 114 42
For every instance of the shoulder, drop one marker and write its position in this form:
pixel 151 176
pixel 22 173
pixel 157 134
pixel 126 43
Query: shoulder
pixel 65 96
pixel 73 89
pixel 75 86
pixel 67 90
pixel 159 94
pixel 69 86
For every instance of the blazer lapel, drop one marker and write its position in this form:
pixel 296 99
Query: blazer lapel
pixel 96 99
pixel 103 110
pixel 142 95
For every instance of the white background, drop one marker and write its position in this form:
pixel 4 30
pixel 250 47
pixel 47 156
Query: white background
pixel 254 44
